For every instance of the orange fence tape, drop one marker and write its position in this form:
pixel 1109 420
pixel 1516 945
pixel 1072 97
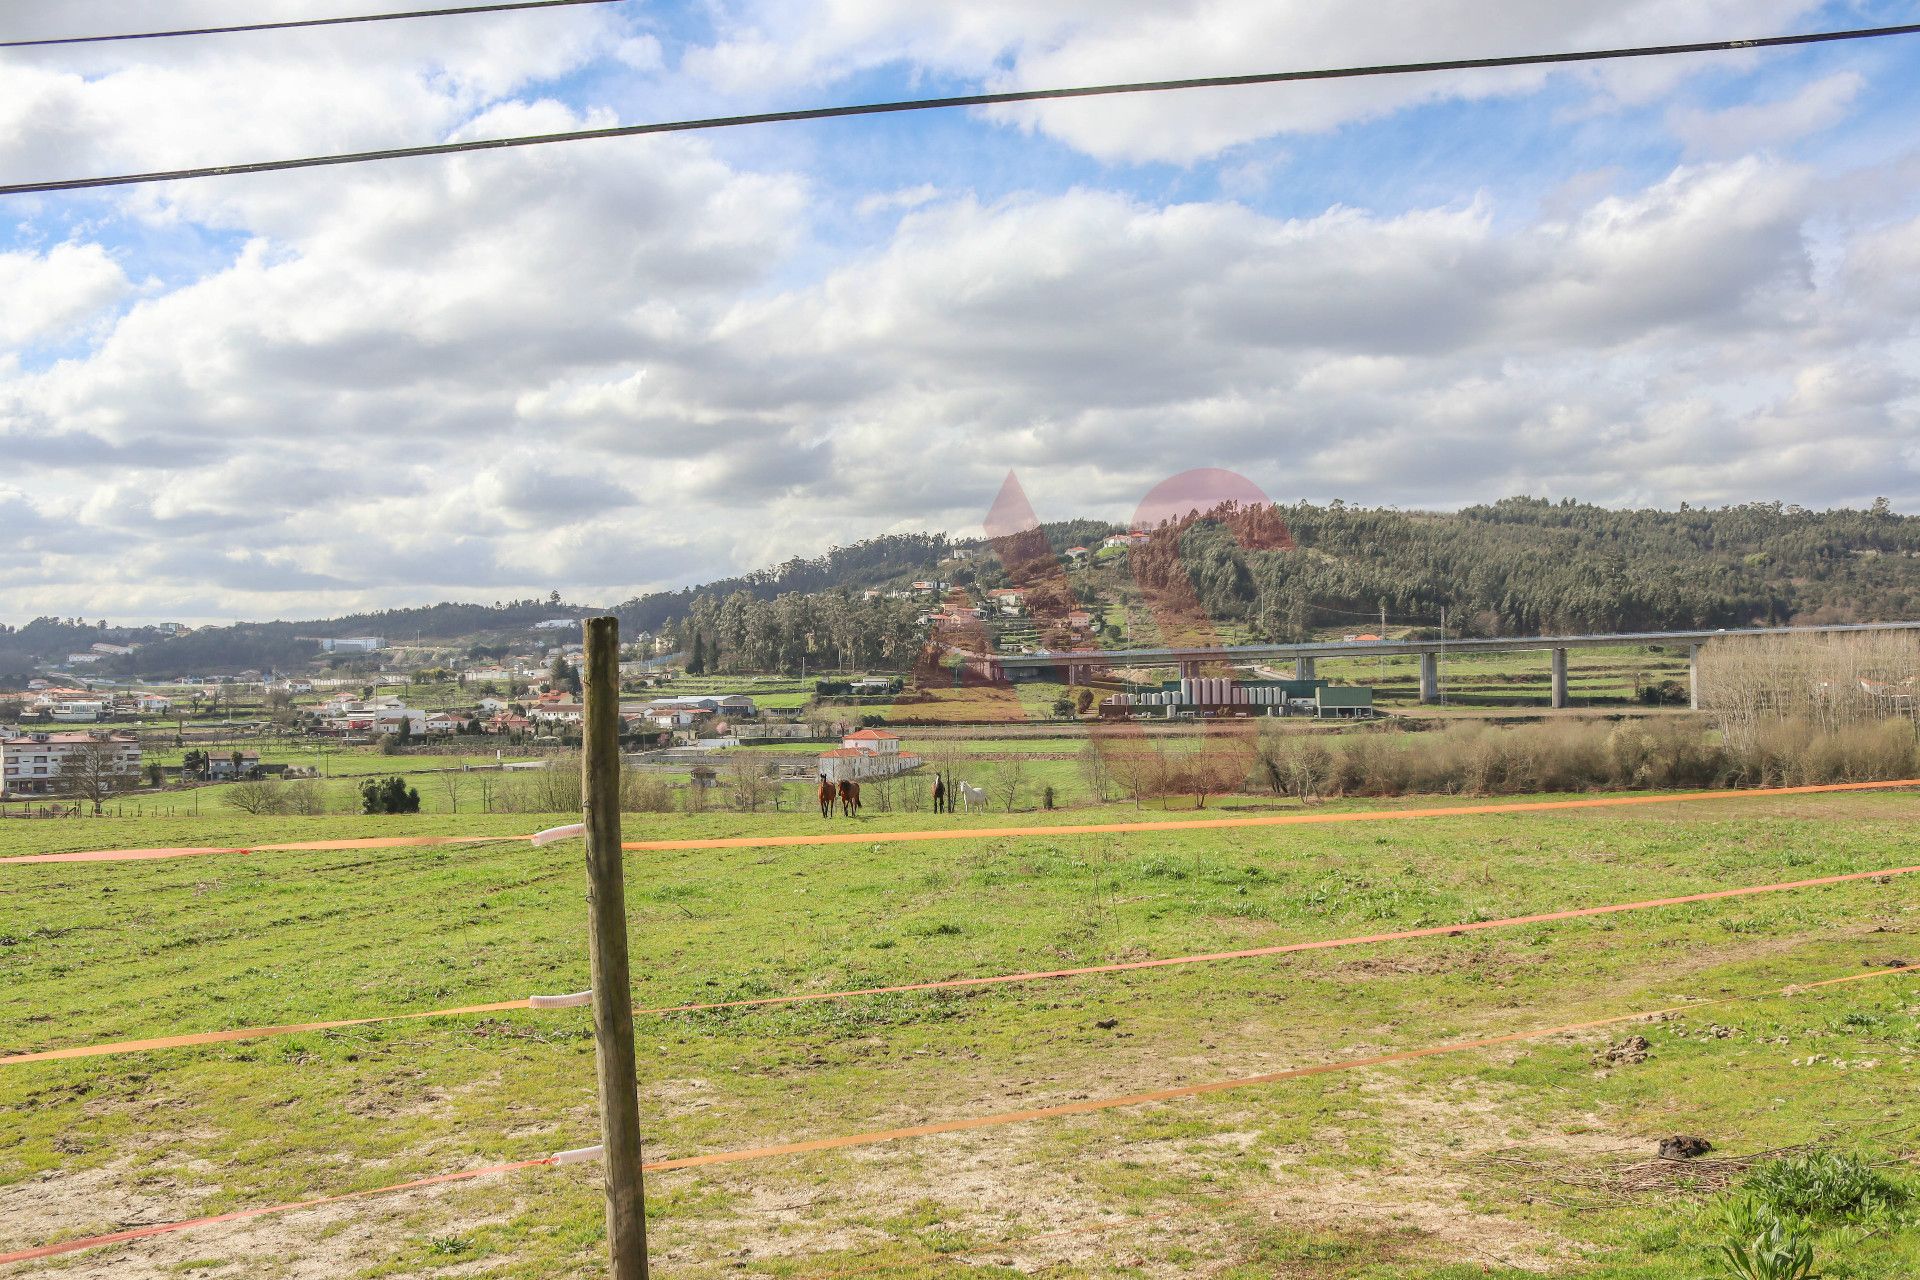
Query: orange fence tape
pixel 949 984
pixel 950 1126
pixel 201 851
pixel 1269 820
pixel 247 1033
pixel 861 836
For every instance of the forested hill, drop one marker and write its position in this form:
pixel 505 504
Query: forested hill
pixel 284 646
pixel 1527 566
pixel 874 562
pixel 1517 566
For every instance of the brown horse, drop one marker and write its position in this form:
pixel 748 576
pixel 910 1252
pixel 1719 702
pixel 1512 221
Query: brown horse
pixel 849 797
pixel 939 794
pixel 826 796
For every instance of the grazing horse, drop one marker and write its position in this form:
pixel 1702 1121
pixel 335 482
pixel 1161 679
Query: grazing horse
pixel 849 797
pixel 826 796
pixel 939 794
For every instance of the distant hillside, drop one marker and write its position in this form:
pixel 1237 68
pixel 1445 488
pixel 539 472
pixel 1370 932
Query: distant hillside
pixel 263 646
pixel 1517 566
pixel 1525 566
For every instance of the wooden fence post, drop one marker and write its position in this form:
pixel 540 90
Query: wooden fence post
pixel 607 950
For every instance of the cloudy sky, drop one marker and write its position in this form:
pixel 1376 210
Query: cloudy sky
pixel 611 366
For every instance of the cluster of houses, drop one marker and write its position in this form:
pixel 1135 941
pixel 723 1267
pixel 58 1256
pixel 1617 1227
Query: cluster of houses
pixel 347 716
pixel 99 653
pixel 1001 603
pixel 552 712
pixel 1112 542
pixel 61 704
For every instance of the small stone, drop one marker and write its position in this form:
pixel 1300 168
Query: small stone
pixel 1107 1024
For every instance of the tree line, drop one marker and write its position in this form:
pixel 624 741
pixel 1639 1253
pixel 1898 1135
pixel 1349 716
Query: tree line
pixel 815 631
pixel 1513 567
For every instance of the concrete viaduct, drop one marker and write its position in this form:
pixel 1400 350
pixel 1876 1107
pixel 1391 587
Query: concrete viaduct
pixel 1079 664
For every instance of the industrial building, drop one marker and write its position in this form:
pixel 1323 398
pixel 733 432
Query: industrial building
pixel 1211 697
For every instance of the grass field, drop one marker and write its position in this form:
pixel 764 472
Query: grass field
pixel 769 693
pixel 1493 680
pixel 443 785
pixel 1517 1160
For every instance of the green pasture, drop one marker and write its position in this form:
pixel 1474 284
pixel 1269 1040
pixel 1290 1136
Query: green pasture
pixel 1598 676
pixel 776 693
pixel 1509 1161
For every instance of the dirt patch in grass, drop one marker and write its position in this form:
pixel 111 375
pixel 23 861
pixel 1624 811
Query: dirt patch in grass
pixel 1425 1184
pixel 1200 1201
pixel 323 1243
pixel 1496 968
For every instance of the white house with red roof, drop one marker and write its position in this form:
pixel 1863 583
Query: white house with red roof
pixel 877 741
pixel 866 753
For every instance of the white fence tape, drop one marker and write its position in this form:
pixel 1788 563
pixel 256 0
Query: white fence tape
pixel 573 1001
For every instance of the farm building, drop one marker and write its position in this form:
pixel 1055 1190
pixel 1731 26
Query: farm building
pixel 1218 697
pixel 866 753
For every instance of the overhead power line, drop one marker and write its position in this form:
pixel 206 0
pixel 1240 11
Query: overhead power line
pixel 460 11
pixel 964 100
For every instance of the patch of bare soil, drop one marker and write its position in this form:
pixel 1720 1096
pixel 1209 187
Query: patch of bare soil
pixel 1426 1186
pixel 1009 1198
pixel 313 1244
pixel 1498 969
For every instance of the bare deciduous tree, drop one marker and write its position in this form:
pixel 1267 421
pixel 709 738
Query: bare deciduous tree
pixel 1095 772
pixel 1828 682
pixel 1009 781
pixel 454 783
pixel 746 783
pixel 304 796
pixel 880 790
pixel 1295 763
pixel 254 797
pixel 96 771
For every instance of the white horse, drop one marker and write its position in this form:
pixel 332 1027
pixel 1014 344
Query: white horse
pixel 968 797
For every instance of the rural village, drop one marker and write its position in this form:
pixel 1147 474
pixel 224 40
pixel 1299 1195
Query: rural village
pixel 1231 639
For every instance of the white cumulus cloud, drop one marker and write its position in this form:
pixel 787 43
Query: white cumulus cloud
pixel 43 296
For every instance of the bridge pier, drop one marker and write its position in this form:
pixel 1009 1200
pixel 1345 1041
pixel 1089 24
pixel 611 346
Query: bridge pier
pixel 1189 671
pixel 1429 678
pixel 1559 677
pixel 1303 668
pixel 1693 676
